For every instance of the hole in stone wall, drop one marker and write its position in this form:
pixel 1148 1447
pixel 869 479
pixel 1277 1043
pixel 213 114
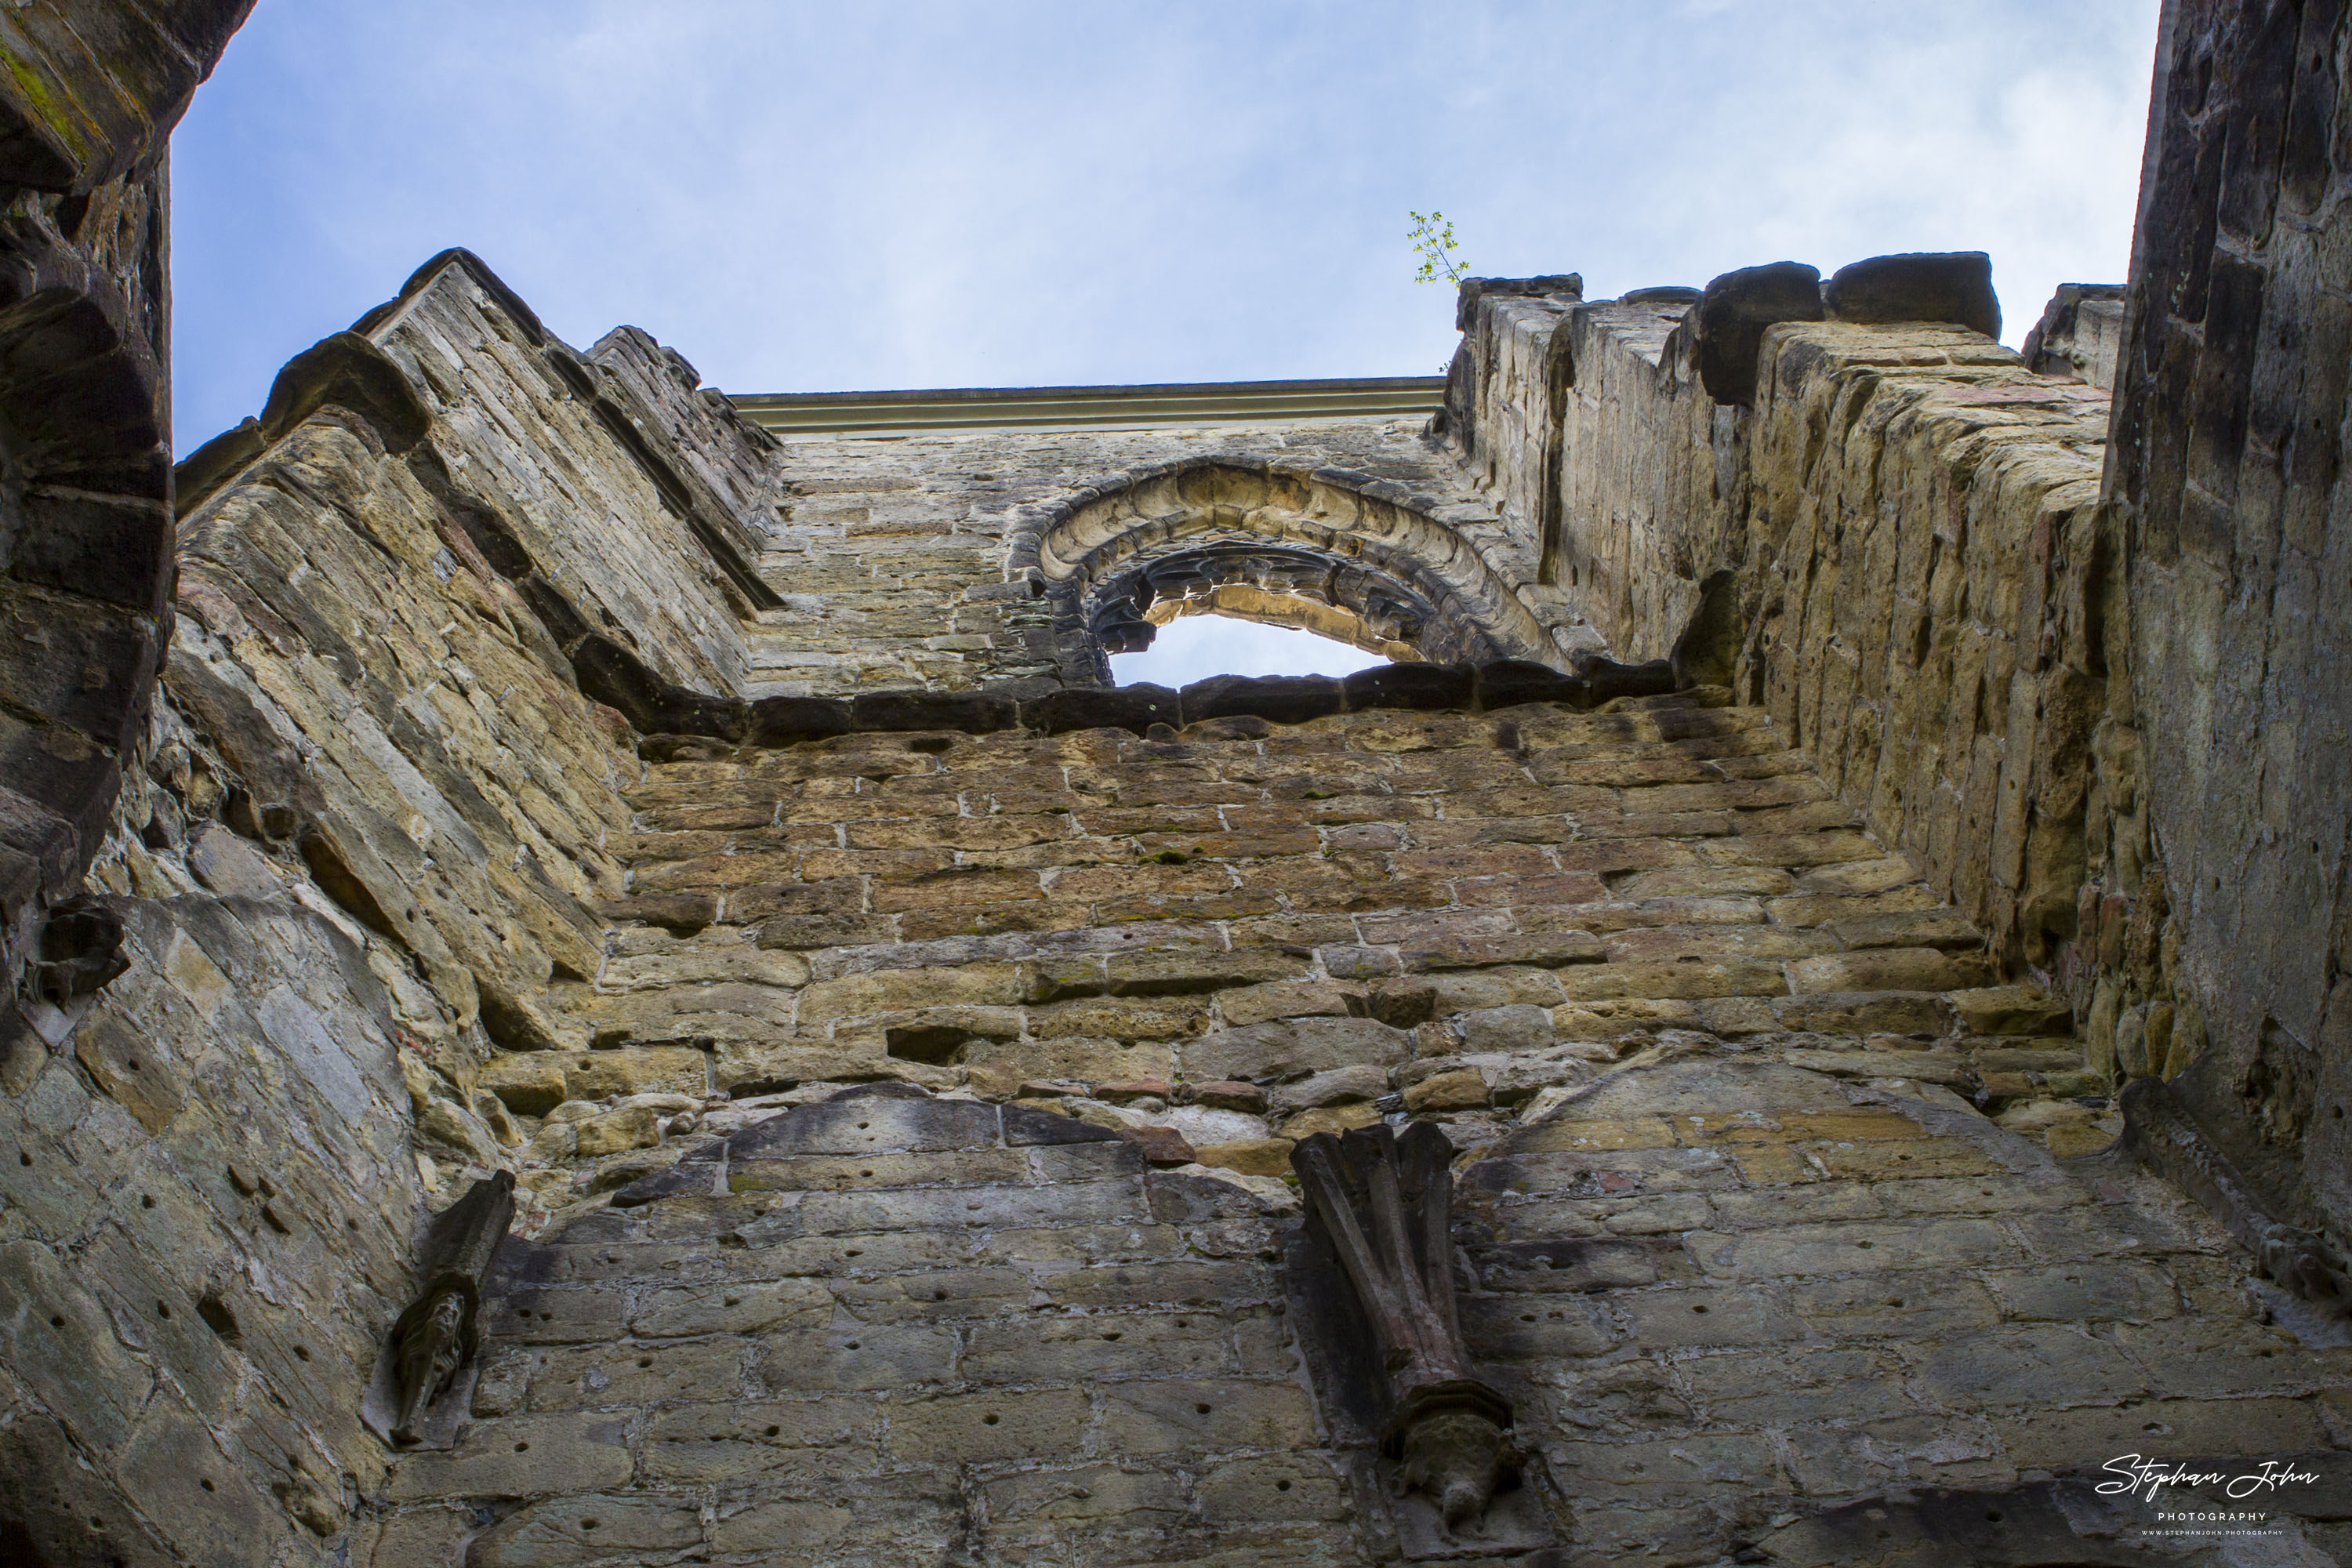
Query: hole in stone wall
pixel 932 1046
pixel 219 1319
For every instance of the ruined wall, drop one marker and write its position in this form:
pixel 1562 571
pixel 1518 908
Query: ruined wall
pixel 1740 1241
pixel 2225 476
pixel 91 91
pixel 363 851
pixel 900 1089
pixel 917 561
pixel 1890 544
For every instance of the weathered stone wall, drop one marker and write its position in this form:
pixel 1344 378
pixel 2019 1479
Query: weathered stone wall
pixel 1649 473
pixel 1740 1241
pixel 1890 548
pixel 91 91
pixel 364 852
pixel 2232 523
pixel 917 562
pixel 900 1089
pixel 1920 507
pixel 208 1196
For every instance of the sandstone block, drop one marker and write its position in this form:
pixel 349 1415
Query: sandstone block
pixel 1463 1089
pixel 1205 1415
pixel 523 1455
pixel 1095 1497
pixel 1886 969
pixel 1869 1013
pixel 1329 1118
pixel 1339 1083
pixel 2011 1010
pixel 907 990
pixel 1229 1094
pixel 617 1131
pixel 635 1069
pixel 556 1530
pixel 872 1123
pixel 983 1427
pixel 1251 1156
pixel 1078 1059
pixel 731 1308
pixel 1291 1046
pixel 1612 981
pixel 1160 1145
pixel 1519 1027
pixel 1244 1005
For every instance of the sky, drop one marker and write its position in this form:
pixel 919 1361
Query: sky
pixel 800 196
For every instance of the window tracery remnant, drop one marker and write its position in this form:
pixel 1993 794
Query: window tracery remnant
pixel 1332 552
pixel 1340 600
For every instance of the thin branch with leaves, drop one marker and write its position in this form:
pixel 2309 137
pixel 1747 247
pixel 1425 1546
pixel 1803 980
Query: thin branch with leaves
pixel 1433 241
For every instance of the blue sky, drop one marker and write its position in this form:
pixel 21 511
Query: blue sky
pixel 815 197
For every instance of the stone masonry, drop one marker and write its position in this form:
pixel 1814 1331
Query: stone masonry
pixel 1799 855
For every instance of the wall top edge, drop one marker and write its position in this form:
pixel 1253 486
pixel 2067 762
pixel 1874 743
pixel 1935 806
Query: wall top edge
pixel 948 409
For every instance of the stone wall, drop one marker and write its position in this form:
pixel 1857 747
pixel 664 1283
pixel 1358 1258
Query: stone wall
pixel 209 1199
pixel 92 90
pixel 942 1210
pixel 898 1040
pixel 917 561
pixel 2230 524
pixel 364 851
pixel 1890 545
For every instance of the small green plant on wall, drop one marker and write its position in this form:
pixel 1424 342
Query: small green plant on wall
pixel 1433 241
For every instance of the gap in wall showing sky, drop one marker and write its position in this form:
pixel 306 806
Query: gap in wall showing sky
pixel 1194 648
pixel 803 197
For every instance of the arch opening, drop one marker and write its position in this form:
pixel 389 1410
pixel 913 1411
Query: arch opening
pixel 1346 602
pixel 1316 552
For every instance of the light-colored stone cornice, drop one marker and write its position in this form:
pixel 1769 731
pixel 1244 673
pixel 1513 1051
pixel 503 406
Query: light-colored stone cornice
pixel 884 415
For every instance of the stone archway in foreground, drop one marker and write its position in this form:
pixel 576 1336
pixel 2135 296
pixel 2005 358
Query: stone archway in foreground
pixel 1322 551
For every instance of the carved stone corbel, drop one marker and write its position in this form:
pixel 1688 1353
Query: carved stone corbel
pixel 441 1330
pixel 2161 1136
pixel 1385 1205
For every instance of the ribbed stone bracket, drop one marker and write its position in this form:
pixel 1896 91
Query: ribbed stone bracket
pixel 1383 1205
pixel 2161 1136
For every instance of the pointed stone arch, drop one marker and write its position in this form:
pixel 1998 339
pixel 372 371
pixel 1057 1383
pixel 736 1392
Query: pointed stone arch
pixel 1330 551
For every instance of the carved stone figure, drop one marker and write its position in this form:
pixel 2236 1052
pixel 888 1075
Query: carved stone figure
pixel 1385 1203
pixel 440 1332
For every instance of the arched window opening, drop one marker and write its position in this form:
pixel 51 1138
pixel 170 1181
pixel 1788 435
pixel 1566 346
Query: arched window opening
pixel 1306 552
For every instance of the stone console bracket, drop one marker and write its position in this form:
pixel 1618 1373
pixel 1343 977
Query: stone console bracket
pixel 435 1339
pixel 1375 1302
pixel 2161 1135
